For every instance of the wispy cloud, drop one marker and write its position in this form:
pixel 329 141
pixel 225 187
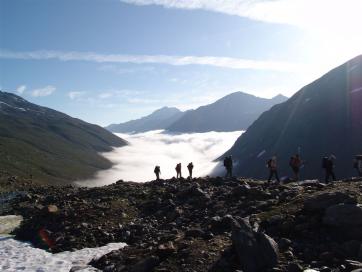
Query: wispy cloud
pixel 76 95
pixel 122 70
pixel 21 89
pixel 223 62
pixel 302 13
pixel 46 91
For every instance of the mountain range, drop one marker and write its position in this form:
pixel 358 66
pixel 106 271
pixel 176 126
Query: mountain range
pixel 323 118
pixel 236 111
pixel 159 119
pixel 49 145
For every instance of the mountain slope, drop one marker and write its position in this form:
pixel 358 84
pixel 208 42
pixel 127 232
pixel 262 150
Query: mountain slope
pixel 236 111
pixel 159 119
pixel 322 118
pixel 48 144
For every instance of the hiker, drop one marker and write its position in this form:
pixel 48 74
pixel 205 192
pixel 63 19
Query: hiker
pixel 295 163
pixel 228 164
pixel 157 171
pixel 328 165
pixel 190 166
pixel 178 170
pixel 358 164
pixel 273 169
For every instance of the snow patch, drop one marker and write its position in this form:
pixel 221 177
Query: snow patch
pixel 356 90
pixel 261 153
pixel 9 223
pixel 16 108
pixel 20 256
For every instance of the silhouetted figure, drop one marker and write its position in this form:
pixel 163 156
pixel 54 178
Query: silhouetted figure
pixel 328 165
pixel 295 163
pixel 178 170
pixel 190 167
pixel 358 164
pixel 273 169
pixel 157 171
pixel 228 164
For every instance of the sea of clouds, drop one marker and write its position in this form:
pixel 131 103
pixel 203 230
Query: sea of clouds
pixel 137 161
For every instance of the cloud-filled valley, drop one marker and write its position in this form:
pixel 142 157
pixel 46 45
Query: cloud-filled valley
pixel 136 161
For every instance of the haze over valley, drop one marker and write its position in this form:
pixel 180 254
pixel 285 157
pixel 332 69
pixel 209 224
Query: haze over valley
pixel 144 151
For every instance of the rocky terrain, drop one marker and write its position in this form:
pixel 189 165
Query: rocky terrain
pixel 204 224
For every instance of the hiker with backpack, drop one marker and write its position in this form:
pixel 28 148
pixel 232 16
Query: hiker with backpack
pixel 157 171
pixel 178 170
pixel 273 169
pixel 295 163
pixel 190 167
pixel 228 164
pixel 358 164
pixel 328 165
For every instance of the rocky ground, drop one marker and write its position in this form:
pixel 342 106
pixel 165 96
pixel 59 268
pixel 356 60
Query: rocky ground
pixel 204 224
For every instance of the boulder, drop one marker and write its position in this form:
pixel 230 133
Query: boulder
pixel 343 216
pixel 240 190
pixel 321 202
pixel 194 233
pixel 146 265
pixel 255 251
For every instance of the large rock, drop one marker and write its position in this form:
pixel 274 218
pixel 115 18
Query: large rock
pixel 256 251
pixel 343 216
pixel 321 202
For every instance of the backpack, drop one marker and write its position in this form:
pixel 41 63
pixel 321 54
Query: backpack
pixel 292 161
pixel 325 162
pixel 268 163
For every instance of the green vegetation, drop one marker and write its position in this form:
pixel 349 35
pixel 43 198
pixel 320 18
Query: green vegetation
pixel 49 145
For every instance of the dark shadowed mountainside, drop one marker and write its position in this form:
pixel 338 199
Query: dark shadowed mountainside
pixel 159 119
pixel 322 118
pixel 236 111
pixel 48 144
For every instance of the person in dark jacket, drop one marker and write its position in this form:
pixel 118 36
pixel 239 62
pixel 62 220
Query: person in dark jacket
pixel 228 164
pixel 190 167
pixel 358 164
pixel 178 170
pixel 329 168
pixel 273 169
pixel 157 171
pixel 295 163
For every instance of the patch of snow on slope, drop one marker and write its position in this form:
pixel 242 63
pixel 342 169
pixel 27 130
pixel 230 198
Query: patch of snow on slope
pixel 20 256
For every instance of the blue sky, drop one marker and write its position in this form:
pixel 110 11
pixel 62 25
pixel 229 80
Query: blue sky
pixel 108 61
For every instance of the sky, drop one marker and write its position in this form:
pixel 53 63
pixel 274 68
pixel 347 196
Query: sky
pixel 109 61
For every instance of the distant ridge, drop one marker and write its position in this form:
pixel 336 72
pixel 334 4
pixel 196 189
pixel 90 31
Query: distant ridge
pixel 51 146
pixel 236 111
pixel 322 118
pixel 159 119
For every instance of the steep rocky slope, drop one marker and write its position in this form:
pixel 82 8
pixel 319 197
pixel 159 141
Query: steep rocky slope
pixel 324 117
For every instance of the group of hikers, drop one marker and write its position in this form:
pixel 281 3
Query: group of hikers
pixel 178 169
pixel 295 163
